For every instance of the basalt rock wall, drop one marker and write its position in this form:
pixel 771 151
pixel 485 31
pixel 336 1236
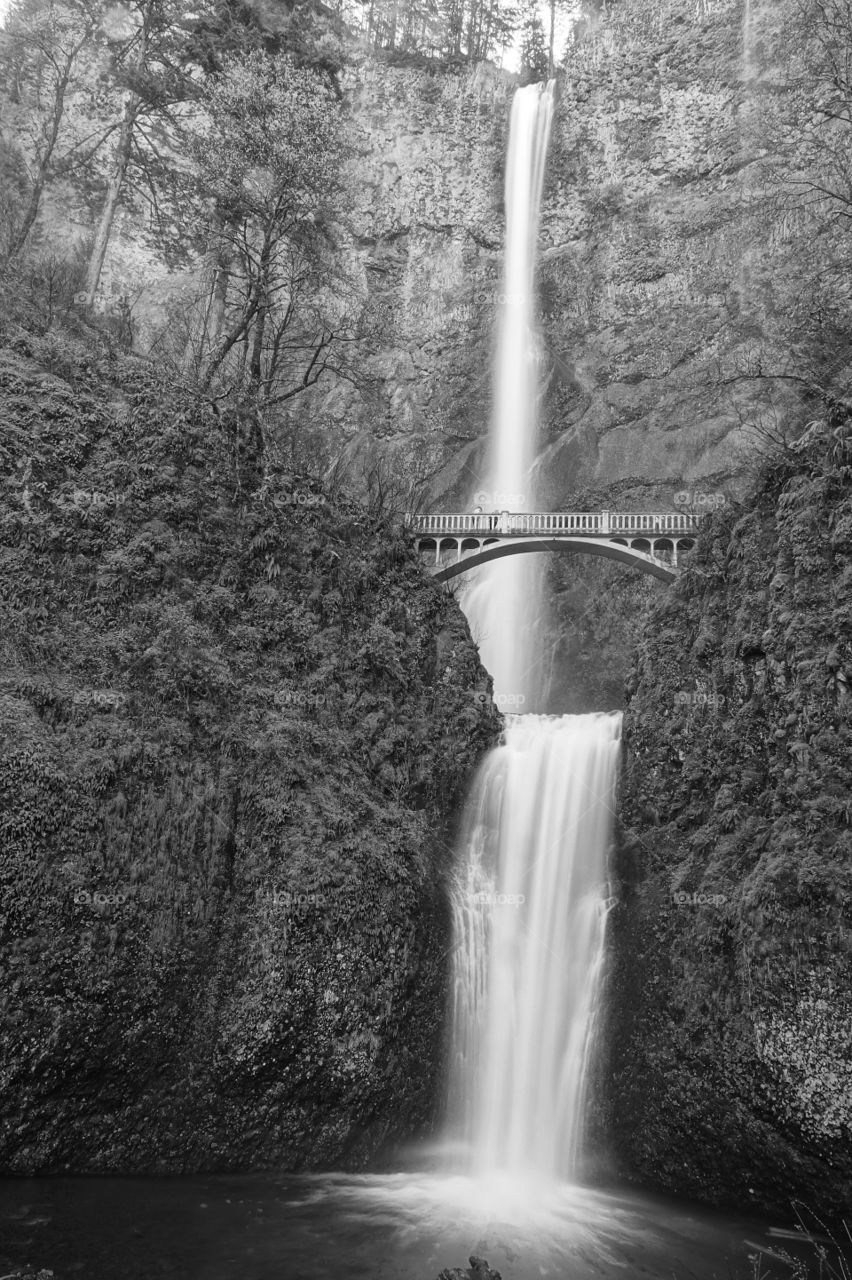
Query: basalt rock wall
pixel 684 301
pixel 675 270
pixel 235 722
pixel 675 262
pixel 730 1060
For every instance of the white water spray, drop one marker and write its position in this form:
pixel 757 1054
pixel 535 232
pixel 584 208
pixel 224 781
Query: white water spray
pixel 529 915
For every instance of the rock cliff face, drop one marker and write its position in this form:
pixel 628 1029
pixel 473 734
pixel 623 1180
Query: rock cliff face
pixel 652 260
pixel 673 270
pixel 730 1069
pixel 676 257
pixel 234 721
pixel 674 278
pixel 427 238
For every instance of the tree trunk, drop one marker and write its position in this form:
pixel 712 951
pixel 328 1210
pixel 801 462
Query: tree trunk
pixel 219 295
pixel 552 34
pixel 256 365
pixel 132 103
pixel 116 183
pixel 38 186
pixel 486 38
pixel 240 330
pixel 200 343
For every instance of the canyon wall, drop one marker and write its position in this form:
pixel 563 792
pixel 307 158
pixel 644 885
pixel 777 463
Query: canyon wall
pixel 729 1073
pixel 675 268
pixel 680 314
pixel 685 304
pixel 235 723
pixel 675 273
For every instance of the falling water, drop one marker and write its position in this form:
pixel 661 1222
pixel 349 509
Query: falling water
pixel 529 914
pixel 503 603
pixel 530 900
pixel 519 345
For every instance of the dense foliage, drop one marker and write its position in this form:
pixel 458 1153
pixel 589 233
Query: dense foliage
pixel 232 715
pixel 222 139
pixel 730 1000
pixel 268 152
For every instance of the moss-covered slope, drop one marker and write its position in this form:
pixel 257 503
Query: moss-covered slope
pixel 232 714
pixel 731 1011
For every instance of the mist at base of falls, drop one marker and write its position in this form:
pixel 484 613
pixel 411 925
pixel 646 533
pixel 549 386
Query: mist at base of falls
pixel 503 602
pixel 394 1226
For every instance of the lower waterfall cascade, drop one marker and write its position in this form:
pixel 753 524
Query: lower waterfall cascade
pixel 530 903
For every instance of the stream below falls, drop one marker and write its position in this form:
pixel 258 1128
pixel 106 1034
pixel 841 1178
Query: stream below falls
pixel 399 1226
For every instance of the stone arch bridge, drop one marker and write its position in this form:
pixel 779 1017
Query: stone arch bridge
pixel 649 542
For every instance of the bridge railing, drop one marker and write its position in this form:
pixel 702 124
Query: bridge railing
pixel 519 523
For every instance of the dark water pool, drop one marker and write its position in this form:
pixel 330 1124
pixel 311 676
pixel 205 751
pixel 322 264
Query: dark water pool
pixel 405 1226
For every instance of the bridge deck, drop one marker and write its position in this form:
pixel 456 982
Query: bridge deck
pixel 647 541
pixel 602 524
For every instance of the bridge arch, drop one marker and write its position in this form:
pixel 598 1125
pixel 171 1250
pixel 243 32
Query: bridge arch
pixel 646 541
pixel 636 559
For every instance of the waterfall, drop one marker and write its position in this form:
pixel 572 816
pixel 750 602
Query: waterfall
pixel 530 910
pixel 504 601
pixel 530 896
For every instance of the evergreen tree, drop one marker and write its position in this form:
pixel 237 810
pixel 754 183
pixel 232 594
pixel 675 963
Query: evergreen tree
pixel 268 154
pixel 148 65
pixel 45 50
pixel 534 55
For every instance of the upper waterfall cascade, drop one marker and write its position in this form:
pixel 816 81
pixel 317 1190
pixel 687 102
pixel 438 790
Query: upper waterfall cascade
pixel 504 602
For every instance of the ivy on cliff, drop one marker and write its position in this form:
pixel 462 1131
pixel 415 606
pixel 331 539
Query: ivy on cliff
pixel 736 856
pixel 226 740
